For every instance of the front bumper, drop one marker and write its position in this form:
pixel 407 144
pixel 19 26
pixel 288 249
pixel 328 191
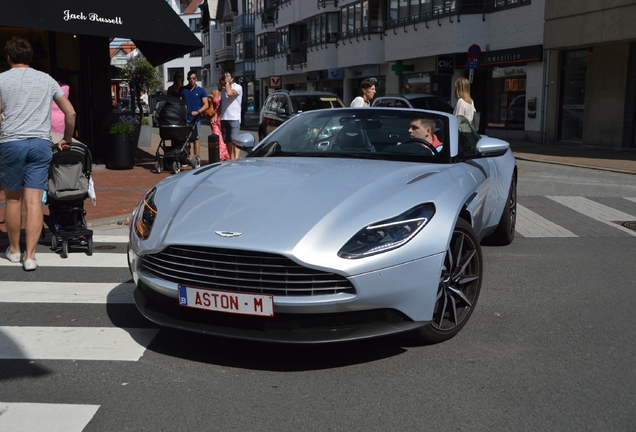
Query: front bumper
pixel 282 328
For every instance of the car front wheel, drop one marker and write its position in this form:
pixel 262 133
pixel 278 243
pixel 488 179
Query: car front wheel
pixel 459 285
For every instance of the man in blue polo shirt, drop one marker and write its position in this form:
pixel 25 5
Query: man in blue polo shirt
pixel 196 100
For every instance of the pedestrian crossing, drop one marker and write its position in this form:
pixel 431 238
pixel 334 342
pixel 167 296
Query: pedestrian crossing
pixel 37 338
pixel 50 344
pixel 575 216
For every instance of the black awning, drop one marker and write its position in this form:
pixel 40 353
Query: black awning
pixel 152 25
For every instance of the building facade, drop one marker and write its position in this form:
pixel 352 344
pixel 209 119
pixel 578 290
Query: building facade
pixel 591 78
pixel 411 46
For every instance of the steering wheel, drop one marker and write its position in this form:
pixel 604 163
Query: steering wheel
pixel 425 143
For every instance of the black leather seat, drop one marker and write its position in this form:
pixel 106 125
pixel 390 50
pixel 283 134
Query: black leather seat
pixel 351 138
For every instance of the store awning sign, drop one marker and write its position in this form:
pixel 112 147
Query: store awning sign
pixel 335 73
pixel 153 26
pixel 276 82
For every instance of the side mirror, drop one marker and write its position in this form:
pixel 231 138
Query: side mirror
pixel 488 146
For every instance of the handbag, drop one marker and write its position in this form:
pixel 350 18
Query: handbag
pixel 210 111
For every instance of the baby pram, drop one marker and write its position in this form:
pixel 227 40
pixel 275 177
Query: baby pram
pixel 69 177
pixel 176 136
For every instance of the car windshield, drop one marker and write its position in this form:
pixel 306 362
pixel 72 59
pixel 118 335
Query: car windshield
pixel 302 103
pixel 361 133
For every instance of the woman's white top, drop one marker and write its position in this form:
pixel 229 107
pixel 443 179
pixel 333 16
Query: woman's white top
pixel 465 109
pixel 360 102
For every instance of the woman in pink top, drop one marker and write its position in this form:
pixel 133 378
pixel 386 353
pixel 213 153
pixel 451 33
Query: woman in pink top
pixel 214 100
pixel 57 116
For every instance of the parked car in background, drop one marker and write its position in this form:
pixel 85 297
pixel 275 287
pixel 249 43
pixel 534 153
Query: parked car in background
pixel 516 112
pixel 125 105
pixel 282 105
pixel 155 113
pixel 413 100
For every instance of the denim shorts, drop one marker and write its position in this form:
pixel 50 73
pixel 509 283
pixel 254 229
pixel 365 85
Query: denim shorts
pixel 230 130
pixel 25 163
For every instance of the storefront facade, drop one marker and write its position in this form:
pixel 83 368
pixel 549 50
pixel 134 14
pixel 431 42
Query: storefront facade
pixel 507 90
pixel 71 43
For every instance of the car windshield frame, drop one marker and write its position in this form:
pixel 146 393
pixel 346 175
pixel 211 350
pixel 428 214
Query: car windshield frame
pixel 362 133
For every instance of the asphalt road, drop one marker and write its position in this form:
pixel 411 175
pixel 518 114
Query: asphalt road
pixel 549 347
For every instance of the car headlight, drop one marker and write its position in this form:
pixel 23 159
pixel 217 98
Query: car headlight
pixel 388 234
pixel 145 214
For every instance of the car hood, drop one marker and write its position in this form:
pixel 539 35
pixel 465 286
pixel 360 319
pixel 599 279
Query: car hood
pixel 291 206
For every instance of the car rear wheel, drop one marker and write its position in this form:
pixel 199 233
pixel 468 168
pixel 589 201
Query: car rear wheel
pixel 459 285
pixel 505 232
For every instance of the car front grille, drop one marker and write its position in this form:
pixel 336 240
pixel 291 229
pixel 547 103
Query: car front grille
pixel 242 271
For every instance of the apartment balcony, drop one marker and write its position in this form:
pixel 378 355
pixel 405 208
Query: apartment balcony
pixel 244 68
pixel 243 22
pixel 224 55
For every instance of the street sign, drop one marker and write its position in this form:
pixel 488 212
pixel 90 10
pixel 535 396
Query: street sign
pixel 474 51
pixel 472 64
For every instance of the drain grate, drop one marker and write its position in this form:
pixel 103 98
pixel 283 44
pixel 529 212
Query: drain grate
pixel 628 224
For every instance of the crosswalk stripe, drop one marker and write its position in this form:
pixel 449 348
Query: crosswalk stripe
pixel 77 259
pixel 74 343
pixel 630 199
pixel 66 292
pixel 42 417
pixel 99 238
pixel 530 224
pixel 596 211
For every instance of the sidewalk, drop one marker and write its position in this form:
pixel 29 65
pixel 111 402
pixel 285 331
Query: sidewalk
pixel 119 191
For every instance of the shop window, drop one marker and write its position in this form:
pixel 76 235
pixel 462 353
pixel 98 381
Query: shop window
pixel 507 105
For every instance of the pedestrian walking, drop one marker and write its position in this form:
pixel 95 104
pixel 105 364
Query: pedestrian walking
pixel 465 106
pixel 25 144
pixel 367 92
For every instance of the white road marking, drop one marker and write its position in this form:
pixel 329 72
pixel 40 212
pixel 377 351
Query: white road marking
pixel 98 238
pixel 530 224
pixel 630 199
pixel 74 343
pixel 42 417
pixel 76 259
pixel 66 292
pixel 596 211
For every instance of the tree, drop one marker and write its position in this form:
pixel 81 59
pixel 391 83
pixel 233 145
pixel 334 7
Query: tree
pixel 141 76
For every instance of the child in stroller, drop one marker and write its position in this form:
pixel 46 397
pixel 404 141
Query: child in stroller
pixel 173 127
pixel 69 185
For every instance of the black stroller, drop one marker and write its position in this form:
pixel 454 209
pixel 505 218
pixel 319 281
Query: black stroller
pixel 69 177
pixel 175 130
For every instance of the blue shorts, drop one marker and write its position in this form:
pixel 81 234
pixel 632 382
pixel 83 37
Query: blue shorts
pixel 230 130
pixel 25 163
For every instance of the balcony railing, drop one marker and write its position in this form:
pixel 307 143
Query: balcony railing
pixel 244 68
pixel 224 54
pixel 243 22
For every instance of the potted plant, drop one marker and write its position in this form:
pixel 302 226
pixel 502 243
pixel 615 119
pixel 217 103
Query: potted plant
pixel 141 76
pixel 120 142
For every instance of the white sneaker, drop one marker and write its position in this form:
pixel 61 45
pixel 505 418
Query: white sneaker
pixel 13 257
pixel 30 264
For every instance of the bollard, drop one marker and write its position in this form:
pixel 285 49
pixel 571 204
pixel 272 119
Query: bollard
pixel 213 149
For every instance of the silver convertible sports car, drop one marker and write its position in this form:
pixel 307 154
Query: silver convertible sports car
pixel 342 224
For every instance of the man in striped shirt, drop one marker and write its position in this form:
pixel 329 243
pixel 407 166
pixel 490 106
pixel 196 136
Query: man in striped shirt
pixel 25 144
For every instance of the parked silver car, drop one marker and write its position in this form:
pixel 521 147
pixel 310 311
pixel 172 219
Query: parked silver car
pixel 413 100
pixel 337 226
